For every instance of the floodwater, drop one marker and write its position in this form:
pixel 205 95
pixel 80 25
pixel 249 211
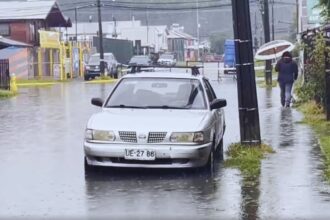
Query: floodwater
pixel 42 173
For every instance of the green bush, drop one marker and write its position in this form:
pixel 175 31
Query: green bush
pixel 6 94
pixel 247 158
pixel 312 87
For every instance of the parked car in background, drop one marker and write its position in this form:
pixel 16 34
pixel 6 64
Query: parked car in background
pixel 140 60
pixel 167 60
pixel 92 68
pixel 157 120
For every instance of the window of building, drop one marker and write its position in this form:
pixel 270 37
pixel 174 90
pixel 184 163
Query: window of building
pixel 4 30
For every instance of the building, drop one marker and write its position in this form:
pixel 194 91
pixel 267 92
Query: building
pixel 185 46
pixel 308 14
pixel 23 21
pixel 16 52
pixel 154 37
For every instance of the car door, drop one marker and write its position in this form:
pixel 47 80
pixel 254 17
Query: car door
pixel 217 114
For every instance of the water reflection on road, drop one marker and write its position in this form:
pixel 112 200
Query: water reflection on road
pixel 42 175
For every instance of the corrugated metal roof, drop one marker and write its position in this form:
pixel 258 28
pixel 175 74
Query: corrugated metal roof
pixel 6 42
pixel 16 10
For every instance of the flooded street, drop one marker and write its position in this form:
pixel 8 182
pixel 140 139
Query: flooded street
pixel 42 173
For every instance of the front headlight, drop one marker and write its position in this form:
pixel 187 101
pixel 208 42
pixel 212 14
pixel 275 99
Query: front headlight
pixel 187 137
pixel 98 135
pixel 88 67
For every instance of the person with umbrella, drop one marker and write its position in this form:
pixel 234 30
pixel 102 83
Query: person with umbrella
pixel 287 73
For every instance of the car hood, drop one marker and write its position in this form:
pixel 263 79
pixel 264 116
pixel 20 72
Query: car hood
pixel 149 120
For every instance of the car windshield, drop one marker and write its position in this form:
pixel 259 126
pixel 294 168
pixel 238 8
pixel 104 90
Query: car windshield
pixel 166 93
pixel 95 59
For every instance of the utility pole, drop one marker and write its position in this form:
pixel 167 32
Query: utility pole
pixel 268 68
pixel 76 21
pixel 197 22
pixel 147 21
pixel 273 28
pixel 298 16
pixel 100 37
pixel 246 82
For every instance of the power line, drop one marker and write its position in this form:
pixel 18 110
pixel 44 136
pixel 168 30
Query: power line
pixel 131 8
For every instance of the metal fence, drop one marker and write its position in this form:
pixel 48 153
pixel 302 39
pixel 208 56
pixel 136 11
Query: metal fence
pixel 4 75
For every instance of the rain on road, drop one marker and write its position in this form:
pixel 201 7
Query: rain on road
pixel 42 172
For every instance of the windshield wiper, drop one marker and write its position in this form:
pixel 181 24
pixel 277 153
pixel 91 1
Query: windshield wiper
pixel 166 107
pixel 125 106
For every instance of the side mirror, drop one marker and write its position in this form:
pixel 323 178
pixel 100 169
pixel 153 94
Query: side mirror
pixel 218 103
pixel 97 102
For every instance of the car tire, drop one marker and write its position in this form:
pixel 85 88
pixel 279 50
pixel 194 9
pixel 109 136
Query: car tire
pixel 219 151
pixel 209 167
pixel 86 78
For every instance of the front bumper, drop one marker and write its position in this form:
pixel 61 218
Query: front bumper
pixel 167 156
pixel 92 73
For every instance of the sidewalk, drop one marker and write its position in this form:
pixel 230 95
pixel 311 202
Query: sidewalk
pixel 291 183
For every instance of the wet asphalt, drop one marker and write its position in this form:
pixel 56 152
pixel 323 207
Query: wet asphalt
pixel 42 173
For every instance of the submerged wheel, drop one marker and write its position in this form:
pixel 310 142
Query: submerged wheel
pixel 209 167
pixel 219 150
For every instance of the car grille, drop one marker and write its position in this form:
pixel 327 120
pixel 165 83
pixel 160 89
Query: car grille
pixel 156 137
pixel 128 136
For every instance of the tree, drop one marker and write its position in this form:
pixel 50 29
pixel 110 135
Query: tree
pixel 325 7
pixel 218 42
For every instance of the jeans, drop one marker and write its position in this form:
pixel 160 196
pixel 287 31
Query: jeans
pixel 286 93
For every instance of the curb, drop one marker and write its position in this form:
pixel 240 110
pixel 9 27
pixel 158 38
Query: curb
pixel 101 81
pixel 36 84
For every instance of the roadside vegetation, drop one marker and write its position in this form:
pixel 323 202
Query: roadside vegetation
pixel 312 96
pixel 247 158
pixel 314 116
pixel 260 75
pixel 6 94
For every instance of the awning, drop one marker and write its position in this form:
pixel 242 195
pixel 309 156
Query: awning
pixel 6 42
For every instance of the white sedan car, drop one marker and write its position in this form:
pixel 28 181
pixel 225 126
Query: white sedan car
pixel 156 120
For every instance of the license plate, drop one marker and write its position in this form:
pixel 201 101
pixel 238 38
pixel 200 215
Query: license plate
pixel 137 154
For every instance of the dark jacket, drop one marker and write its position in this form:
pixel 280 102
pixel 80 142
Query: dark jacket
pixel 287 70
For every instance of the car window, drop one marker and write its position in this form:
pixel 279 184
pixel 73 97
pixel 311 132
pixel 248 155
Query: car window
pixel 94 59
pixel 158 92
pixel 209 86
pixel 209 91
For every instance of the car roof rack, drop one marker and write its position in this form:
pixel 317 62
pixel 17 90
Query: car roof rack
pixel 140 68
